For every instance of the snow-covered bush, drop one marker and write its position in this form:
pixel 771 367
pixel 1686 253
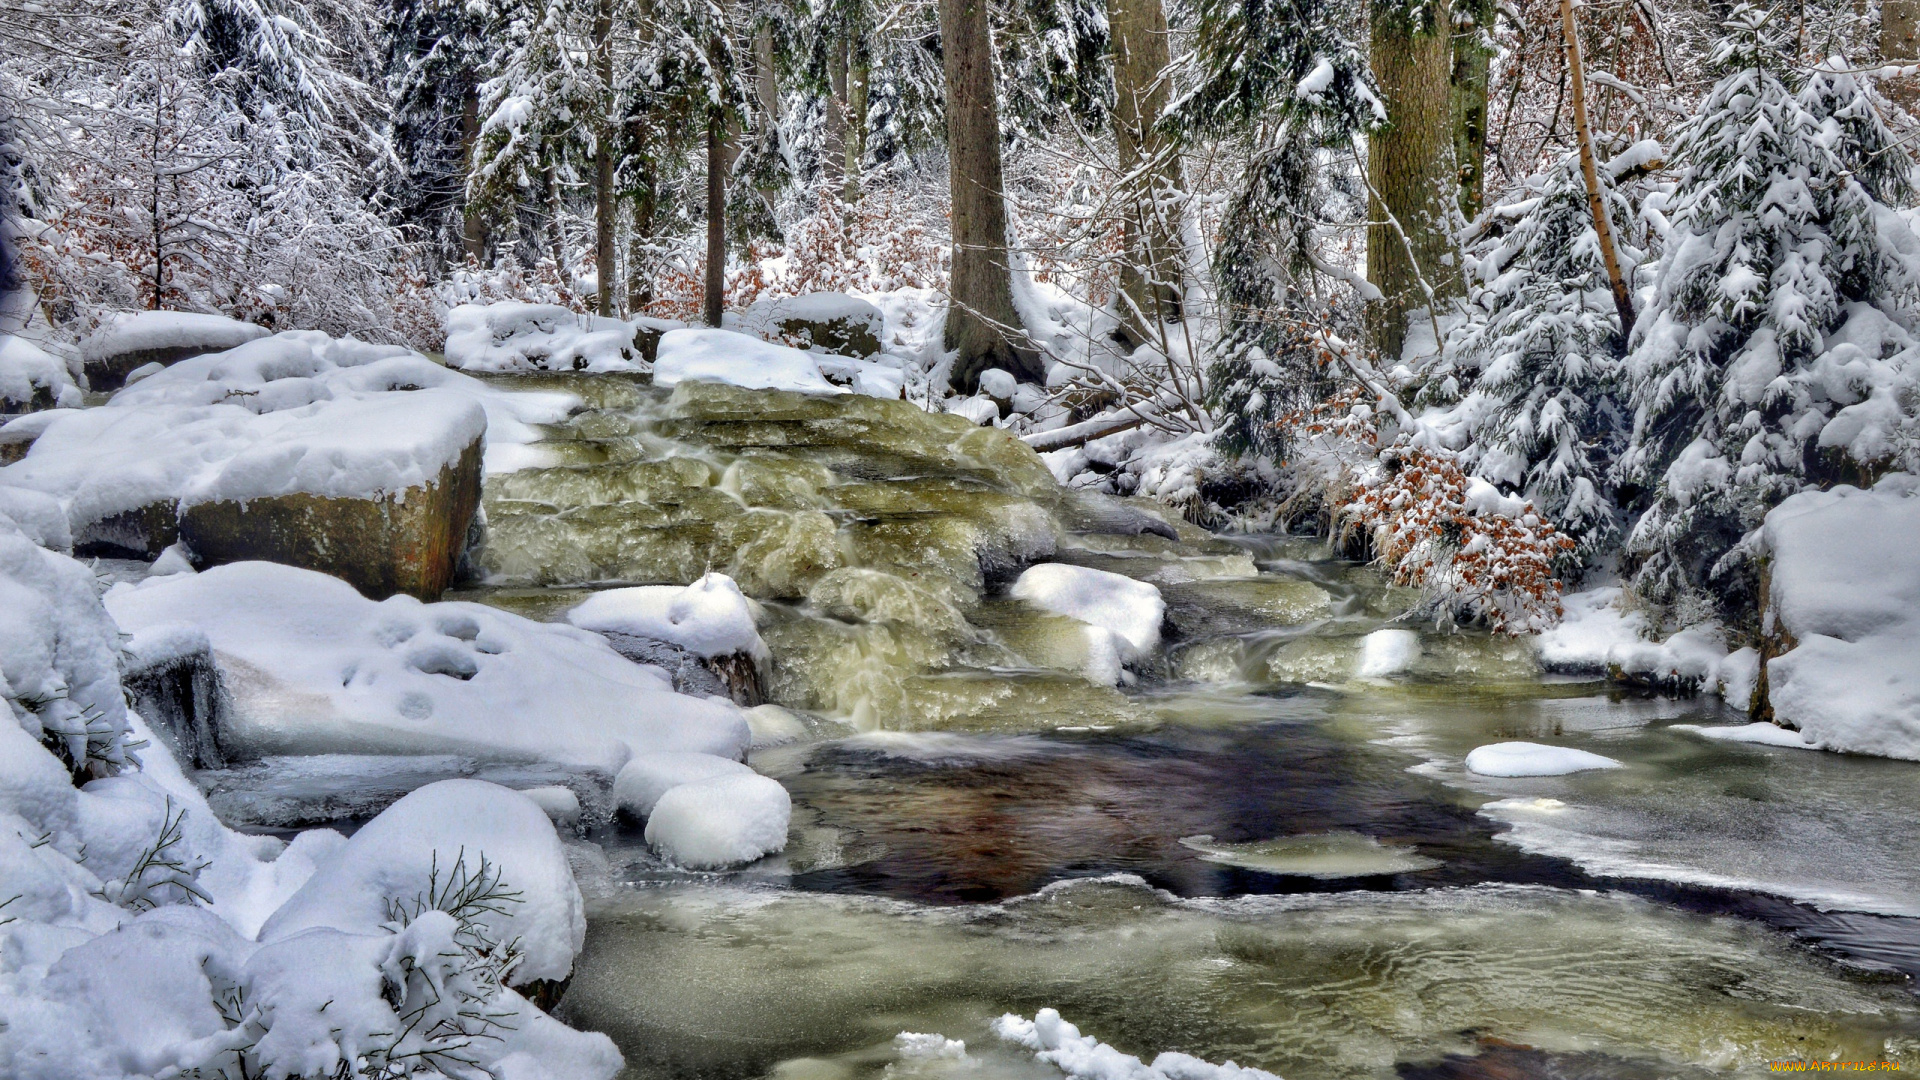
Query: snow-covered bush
pixel 1784 250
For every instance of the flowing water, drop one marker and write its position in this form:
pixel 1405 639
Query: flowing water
pixel 1248 850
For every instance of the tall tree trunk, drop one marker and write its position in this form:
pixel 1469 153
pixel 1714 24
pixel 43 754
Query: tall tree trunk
pixel 980 309
pixel 1589 170
pixel 1152 271
pixel 1412 181
pixel 1472 61
pixel 1900 43
pixel 716 284
pixel 857 72
pixel 833 143
pixel 644 198
pixel 556 231
pixel 766 92
pixel 473 227
pixel 606 274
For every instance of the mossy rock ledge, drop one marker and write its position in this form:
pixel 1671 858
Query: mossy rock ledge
pixel 405 541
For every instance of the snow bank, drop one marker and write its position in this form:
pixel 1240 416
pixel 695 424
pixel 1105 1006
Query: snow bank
pixel 1845 590
pixel 1598 636
pixel 708 618
pixel 434 841
pixel 723 356
pixel 32 378
pixel 511 336
pixel 648 776
pixel 721 821
pixel 151 331
pixel 313 667
pixel 294 412
pixel 1123 616
pixel 1534 759
pixel 1083 1057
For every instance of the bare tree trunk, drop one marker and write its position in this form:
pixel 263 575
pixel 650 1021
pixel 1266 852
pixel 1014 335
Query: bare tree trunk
pixel 1413 184
pixel 606 274
pixel 1900 44
pixel 856 127
pixel 556 231
pixel 1152 271
pixel 833 143
pixel 644 199
pixel 980 310
pixel 1596 199
pixel 765 78
pixel 716 283
pixel 473 227
pixel 1472 61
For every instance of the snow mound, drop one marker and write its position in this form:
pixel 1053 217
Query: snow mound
pixel 708 618
pixel 647 777
pixel 313 667
pixel 1597 636
pixel 1763 733
pixel 1123 616
pixel 38 516
pixel 1534 759
pixel 723 356
pixel 721 821
pixel 1083 1057
pixel 32 378
pixel 1845 586
pixel 434 840
pixel 144 331
pixel 1387 652
pixel 512 336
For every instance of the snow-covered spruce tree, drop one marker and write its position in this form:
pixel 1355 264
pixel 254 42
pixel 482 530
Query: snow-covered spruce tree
pixel 435 50
pixel 1783 237
pixel 1536 364
pixel 1279 76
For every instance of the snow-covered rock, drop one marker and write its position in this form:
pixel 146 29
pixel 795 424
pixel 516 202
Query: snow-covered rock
pixel 721 821
pixel 297 412
pixel 1843 615
pixel 132 340
pixel 1387 652
pixel 1122 616
pixel 820 322
pixel 32 378
pixel 723 356
pixel 708 618
pixel 511 336
pixel 1534 759
pixel 313 667
pixel 1599 635
pixel 648 776
pixel 436 840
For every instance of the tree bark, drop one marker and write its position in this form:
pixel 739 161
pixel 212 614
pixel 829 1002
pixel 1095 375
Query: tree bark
pixel 1589 171
pixel 1900 43
pixel 1472 62
pixel 980 310
pixel 1412 180
pixel 643 198
pixel 1152 271
pixel 606 275
pixel 716 283
pixel 473 228
pixel 856 136
pixel 833 144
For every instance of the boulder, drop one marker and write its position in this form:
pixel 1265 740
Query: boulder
pixel 32 379
pixel 828 322
pixel 133 340
pixel 406 541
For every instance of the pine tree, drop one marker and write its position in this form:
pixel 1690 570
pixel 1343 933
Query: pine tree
pixel 434 52
pixel 1541 347
pixel 1781 225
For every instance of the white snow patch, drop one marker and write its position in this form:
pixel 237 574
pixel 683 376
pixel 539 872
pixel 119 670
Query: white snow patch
pixel 1387 652
pixel 28 371
pixel 721 821
pixel 1534 759
pixel 722 356
pixel 710 617
pixel 512 336
pixel 1762 733
pixel 641 782
pixel 138 331
pixel 1060 1044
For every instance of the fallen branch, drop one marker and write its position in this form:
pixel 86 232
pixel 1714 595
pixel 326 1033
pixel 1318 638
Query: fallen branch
pixel 1083 432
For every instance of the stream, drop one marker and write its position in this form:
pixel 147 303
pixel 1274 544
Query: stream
pixel 1246 851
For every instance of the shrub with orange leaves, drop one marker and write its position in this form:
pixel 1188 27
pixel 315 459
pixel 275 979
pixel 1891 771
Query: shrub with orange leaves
pixel 1478 556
